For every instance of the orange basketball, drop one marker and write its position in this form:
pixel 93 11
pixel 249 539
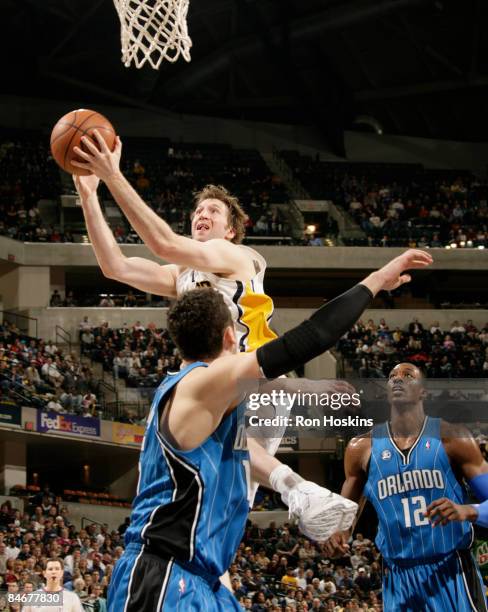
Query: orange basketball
pixel 69 129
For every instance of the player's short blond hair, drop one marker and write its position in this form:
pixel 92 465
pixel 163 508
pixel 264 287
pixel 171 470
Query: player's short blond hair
pixel 237 216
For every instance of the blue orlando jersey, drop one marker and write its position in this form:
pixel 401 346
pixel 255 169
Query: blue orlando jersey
pixel 192 506
pixel 401 486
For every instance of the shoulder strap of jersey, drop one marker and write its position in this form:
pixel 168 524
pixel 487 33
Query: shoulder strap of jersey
pixel 432 427
pixel 379 433
pixel 172 379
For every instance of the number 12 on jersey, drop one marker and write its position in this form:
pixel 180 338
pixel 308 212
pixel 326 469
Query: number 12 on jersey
pixel 414 506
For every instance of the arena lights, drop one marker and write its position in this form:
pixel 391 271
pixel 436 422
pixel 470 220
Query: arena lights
pixel 311 229
pixel 481 246
pixel 453 245
pixel 462 244
pixel 469 244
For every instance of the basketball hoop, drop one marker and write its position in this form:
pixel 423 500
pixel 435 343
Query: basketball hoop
pixel 153 31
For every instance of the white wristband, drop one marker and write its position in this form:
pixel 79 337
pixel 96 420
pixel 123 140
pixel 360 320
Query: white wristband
pixel 283 478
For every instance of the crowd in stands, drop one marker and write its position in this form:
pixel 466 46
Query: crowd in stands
pixel 28 174
pixel 274 570
pixel 166 176
pixel 37 373
pixel 461 351
pixel 106 300
pixel 44 530
pixel 401 204
pixel 278 570
pixel 142 356
pixel 394 204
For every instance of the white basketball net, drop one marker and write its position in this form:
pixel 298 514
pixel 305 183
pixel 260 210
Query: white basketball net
pixel 153 31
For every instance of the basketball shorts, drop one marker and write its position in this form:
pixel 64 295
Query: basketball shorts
pixel 143 582
pixel 450 583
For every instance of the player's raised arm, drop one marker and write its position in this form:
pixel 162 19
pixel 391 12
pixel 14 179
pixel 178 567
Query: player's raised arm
pixel 137 272
pixel 219 256
pixel 209 395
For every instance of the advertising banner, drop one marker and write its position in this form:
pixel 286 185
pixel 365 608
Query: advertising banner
pixel 10 415
pixel 124 433
pixel 69 424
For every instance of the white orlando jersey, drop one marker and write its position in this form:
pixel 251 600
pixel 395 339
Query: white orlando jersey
pixel 250 307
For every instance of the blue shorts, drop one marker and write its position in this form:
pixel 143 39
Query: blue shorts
pixel 143 582
pixel 450 583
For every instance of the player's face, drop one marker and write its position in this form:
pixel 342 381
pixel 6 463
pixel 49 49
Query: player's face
pixel 405 384
pixel 210 220
pixel 53 572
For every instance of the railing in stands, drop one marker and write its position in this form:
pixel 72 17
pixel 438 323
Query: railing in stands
pixel 85 520
pixel 17 392
pixel 119 411
pixel 63 336
pixel 21 322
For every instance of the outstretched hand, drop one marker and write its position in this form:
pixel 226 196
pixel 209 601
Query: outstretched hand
pixel 100 160
pixel 392 274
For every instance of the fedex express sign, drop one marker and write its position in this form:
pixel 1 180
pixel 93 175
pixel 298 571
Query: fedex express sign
pixel 67 424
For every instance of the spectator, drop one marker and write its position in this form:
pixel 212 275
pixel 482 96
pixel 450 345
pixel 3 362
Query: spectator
pixel 55 299
pixel 95 601
pixel 107 302
pixel 70 300
pixel 130 300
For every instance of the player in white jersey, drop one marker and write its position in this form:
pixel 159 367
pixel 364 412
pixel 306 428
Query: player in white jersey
pixel 53 573
pixel 250 307
pixel 213 256
pixel 213 252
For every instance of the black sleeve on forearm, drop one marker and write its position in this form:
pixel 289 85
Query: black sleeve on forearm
pixel 314 336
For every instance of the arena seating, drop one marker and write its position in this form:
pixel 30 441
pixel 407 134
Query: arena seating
pixel 165 174
pixel 274 569
pixel 140 356
pixel 400 204
pixel 37 373
pixel 371 349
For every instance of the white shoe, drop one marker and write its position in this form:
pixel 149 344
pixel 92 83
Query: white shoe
pixel 319 512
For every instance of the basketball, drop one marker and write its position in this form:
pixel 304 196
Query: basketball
pixel 68 131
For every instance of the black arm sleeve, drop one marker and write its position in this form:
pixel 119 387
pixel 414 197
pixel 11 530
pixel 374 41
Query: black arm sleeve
pixel 314 336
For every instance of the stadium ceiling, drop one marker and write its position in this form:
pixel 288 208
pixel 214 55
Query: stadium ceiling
pixel 413 67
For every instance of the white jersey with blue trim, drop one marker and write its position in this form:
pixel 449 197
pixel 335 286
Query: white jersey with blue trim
pixel 250 307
